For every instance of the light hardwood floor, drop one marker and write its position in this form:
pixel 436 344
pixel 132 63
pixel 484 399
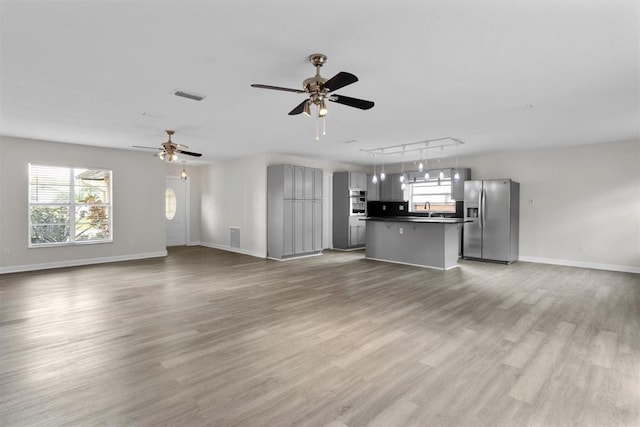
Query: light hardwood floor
pixel 206 337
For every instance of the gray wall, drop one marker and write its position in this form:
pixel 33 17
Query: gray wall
pixel 138 204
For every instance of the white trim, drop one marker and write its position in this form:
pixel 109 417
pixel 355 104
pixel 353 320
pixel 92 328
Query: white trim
pixel 413 265
pixel 230 249
pixel 581 264
pixel 295 257
pixel 80 262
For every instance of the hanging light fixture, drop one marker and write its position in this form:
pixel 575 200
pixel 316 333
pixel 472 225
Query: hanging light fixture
pixel 426 162
pixel 420 165
pixel 456 175
pixel 402 177
pixel 374 179
pixel 183 174
pixel 383 176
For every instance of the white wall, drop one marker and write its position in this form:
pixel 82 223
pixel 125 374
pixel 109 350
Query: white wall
pixel 138 204
pixel 234 193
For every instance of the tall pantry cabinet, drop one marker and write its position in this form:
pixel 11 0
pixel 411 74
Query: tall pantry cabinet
pixel 294 211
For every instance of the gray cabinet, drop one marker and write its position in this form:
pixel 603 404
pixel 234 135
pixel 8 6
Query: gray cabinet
pixel 457 187
pixel 348 231
pixel 294 211
pixel 358 180
pixel 391 188
pixel 373 190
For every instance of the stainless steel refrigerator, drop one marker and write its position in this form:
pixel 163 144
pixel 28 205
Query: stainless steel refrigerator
pixel 493 206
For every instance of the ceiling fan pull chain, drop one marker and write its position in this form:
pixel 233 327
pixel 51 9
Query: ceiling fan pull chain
pixel 324 125
pixel 317 120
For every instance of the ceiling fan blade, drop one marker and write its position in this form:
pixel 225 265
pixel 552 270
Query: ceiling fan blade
pixel 299 108
pixel 286 89
pixel 189 153
pixel 352 102
pixel 150 148
pixel 340 80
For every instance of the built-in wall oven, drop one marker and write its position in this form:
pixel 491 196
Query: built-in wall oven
pixel 357 202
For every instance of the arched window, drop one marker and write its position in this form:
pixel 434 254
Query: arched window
pixel 169 204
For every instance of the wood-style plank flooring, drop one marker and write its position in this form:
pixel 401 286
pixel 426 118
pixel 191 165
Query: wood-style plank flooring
pixel 212 338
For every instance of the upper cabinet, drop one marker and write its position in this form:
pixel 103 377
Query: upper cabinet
pixel 358 180
pixel 457 187
pixel 301 183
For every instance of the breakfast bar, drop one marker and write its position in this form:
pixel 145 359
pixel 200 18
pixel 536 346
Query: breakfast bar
pixel 414 240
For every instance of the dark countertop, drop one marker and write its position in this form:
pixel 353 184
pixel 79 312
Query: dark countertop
pixel 418 219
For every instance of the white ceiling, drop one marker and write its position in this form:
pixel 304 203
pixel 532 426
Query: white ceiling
pixel 103 72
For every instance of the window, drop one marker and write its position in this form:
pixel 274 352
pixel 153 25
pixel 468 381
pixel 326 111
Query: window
pixel 69 206
pixel 436 192
pixel 169 204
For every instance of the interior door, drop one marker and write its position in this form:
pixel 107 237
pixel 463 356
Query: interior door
pixel 176 211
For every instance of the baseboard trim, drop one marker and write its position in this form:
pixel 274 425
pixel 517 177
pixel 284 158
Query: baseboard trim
pixel 80 262
pixel 230 249
pixel 413 265
pixel 581 264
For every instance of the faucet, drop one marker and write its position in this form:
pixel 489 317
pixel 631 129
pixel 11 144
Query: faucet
pixel 427 209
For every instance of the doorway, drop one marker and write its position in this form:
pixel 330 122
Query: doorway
pixel 176 211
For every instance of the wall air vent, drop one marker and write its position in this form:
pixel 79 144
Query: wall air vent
pixel 188 95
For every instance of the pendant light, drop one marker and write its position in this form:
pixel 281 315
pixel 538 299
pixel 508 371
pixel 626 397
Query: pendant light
pixel 456 175
pixel 374 179
pixel 420 165
pixel 383 176
pixel 402 177
pixel 183 174
pixel 426 162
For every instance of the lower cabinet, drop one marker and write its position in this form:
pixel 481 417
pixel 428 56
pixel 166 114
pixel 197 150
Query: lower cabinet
pixel 302 228
pixel 357 235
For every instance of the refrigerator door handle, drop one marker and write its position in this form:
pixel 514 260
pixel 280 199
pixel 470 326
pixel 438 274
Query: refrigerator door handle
pixel 482 207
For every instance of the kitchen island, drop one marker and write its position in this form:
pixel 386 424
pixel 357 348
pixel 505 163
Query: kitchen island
pixel 414 240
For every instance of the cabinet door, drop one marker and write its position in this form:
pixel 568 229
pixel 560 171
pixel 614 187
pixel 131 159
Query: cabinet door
pixel 362 235
pixel 308 184
pixel 396 187
pixel 298 227
pixel 287 243
pixel 358 180
pixel 307 227
pixel 353 235
pixel 317 225
pixel 457 187
pixel 317 184
pixel 385 188
pixel 373 190
pixel 298 182
pixel 288 181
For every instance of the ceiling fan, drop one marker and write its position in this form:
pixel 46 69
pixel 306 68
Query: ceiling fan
pixel 319 90
pixel 169 150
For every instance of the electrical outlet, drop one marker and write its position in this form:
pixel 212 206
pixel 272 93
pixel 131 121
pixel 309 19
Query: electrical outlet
pixel 582 249
pixel 401 230
pixel 530 201
pixel 6 251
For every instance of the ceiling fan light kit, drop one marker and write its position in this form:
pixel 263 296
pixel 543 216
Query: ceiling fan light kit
pixel 319 91
pixel 169 150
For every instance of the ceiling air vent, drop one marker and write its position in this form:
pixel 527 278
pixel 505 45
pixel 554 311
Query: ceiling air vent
pixel 188 95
